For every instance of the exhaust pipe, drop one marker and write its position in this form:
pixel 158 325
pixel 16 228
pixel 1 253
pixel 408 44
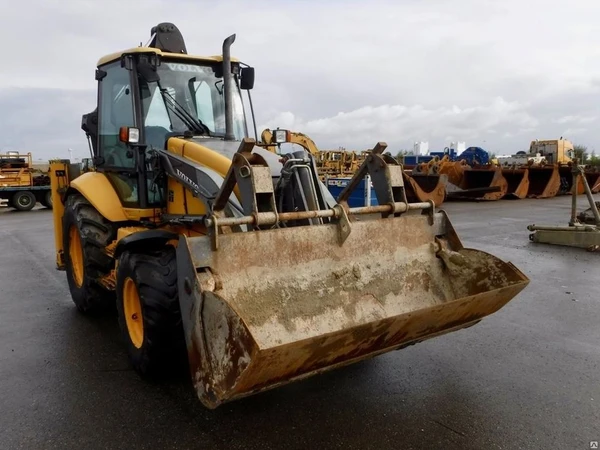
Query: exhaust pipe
pixel 227 80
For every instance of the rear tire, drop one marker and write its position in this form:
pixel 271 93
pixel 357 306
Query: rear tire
pixel 46 200
pixel 23 201
pixel 148 311
pixel 85 236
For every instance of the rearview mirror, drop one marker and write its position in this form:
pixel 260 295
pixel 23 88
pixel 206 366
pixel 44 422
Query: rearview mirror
pixel 247 76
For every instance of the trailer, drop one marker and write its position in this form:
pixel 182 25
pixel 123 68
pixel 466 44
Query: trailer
pixel 21 187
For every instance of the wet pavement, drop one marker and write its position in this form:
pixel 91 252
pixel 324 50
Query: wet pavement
pixel 527 377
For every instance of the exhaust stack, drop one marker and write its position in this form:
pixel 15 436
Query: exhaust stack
pixel 227 79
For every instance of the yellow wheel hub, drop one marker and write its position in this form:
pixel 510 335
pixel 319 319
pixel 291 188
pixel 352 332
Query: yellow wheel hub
pixel 76 255
pixel 132 308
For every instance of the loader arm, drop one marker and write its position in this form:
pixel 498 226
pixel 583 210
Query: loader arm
pixel 204 183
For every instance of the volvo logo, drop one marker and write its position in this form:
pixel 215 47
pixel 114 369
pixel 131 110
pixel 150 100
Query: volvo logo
pixel 187 179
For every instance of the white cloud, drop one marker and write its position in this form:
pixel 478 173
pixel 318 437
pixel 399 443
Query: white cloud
pixel 576 119
pixel 401 125
pixel 574 131
pixel 382 69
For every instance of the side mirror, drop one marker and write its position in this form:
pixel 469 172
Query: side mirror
pixel 247 77
pixel 89 123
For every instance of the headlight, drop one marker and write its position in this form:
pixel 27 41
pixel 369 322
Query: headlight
pixel 281 136
pixel 134 135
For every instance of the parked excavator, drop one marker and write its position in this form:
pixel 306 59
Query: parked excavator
pixel 237 258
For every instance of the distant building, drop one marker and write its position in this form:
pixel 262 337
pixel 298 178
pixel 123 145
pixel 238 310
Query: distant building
pixel 458 147
pixel 421 148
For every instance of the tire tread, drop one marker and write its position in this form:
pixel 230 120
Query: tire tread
pixel 96 234
pixel 155 274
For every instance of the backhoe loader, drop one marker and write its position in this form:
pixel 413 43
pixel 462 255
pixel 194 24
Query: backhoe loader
pixel 236 257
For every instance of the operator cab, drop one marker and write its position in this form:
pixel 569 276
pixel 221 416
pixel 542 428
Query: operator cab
pixel 148 94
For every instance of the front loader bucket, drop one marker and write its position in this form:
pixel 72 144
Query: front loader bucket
pixel 566 182
pixel 518 182
pixel 479 183
pixel 277 305
pixel 454 170
pixel 424 187
pixel 593 180
pixel 544 181
pixel 474 178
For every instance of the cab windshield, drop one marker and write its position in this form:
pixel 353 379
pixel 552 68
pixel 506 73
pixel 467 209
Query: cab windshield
pixel 188 97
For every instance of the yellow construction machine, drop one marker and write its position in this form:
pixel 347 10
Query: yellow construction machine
pixel 337 162
pixel 21 184
pixel 273 139
pixel 557 153
pixel 544 171
pixel 328 162
pixel 237 258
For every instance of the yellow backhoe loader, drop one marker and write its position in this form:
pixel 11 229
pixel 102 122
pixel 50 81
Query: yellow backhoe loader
pixel 237 258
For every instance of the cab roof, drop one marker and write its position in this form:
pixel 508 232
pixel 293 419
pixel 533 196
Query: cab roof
pixel 117 55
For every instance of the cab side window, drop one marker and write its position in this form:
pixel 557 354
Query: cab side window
pixel 115 111
pixel 204 104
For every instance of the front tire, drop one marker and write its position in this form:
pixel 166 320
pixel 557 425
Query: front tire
pixel 85 236
pixel 148 310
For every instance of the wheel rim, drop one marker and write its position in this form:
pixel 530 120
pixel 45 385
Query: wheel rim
pixel 133 312
pixel 24 201
pixel 76 255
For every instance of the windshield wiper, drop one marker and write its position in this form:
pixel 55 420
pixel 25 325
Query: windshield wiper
pixel 193 123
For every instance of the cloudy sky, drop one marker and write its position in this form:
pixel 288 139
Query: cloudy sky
pixel 492 73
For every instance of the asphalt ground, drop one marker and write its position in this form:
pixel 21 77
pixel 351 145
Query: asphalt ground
pixel 527 377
